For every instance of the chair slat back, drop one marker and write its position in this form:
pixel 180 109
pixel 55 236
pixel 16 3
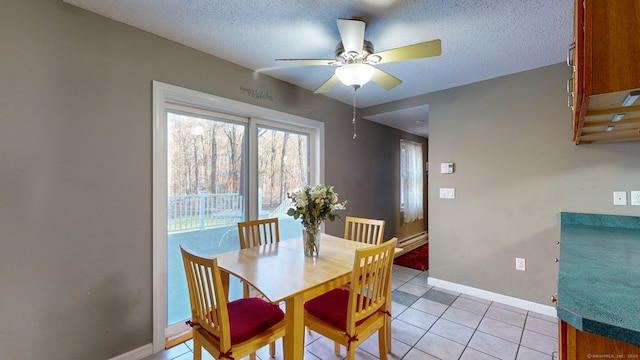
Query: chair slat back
pixel 370 282
pixel 206 295
pixel 258 232
pixel 370 231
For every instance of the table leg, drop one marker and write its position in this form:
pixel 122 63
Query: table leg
pixel 294 334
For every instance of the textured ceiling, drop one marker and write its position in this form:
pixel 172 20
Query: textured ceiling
pixel 481 39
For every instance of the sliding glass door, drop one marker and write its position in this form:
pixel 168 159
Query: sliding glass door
pixel 205 195
pixel 216 162
pixel 207 187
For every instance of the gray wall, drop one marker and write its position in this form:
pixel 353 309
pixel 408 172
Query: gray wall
pixel 516 169
pixel 75 173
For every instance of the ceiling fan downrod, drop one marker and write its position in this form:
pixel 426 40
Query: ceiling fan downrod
pixel 355 88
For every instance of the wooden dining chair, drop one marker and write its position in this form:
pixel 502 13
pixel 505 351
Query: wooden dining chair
pixel 258 232
pixel 349 317
pixel 227 330
pixel 370 231
pixel 255 233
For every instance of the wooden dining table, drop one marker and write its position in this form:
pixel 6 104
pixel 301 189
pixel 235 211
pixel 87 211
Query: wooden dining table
pixel 282 272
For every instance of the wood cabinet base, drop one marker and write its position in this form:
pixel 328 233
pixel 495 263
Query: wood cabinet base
pixel 578 345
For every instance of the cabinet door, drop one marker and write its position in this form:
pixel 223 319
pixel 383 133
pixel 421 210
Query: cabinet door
pixel 575 344
pixel 612 35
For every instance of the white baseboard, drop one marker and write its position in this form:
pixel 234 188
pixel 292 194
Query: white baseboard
pixel 412 242
pixel 136 354
pixel 488 295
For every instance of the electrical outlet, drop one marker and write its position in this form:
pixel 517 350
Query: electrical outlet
pixel 619 198
pixel 521 264
pixel 635 198
pixel 447 193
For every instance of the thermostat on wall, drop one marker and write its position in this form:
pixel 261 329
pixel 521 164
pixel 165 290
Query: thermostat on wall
pixel 446 168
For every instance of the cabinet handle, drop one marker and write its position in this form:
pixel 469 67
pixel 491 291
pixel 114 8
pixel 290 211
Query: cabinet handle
pixel 554 299
pixel 570 51
pixel 571 93
pixel 557 242
pixel 556 260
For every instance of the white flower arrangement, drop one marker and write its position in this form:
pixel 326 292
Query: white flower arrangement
pixel 313 205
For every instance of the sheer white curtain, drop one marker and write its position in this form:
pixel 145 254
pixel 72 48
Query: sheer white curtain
pixel 411 177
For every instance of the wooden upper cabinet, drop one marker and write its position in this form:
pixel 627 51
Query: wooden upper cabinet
pixel 613 28
pixel 605 59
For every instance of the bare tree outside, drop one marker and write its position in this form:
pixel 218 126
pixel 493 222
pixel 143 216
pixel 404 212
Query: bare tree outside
pixel 280 172
pixel 204 155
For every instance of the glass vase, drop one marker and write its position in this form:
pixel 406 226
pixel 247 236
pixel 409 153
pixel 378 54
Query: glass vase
pixel 311 239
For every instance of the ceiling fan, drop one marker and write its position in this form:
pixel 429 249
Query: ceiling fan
pixel 355 57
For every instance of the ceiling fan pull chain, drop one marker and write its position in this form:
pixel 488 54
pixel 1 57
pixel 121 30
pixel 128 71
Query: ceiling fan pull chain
pixel 354 112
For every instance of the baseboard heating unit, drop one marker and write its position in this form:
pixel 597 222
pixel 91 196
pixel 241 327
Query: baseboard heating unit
pixel 411 242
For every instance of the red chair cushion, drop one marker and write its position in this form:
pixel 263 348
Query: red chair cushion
pixel 331 307
pixel 249 317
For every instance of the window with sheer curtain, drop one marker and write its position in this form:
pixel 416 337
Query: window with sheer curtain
pixel 411 181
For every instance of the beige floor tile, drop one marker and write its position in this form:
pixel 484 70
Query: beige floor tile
pixel 440 347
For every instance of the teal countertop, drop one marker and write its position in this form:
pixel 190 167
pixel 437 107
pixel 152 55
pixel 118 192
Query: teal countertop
pixel 599 276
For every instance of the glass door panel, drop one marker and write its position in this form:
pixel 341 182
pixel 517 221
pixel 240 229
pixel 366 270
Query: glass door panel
pixel 205 194
pixel 283 165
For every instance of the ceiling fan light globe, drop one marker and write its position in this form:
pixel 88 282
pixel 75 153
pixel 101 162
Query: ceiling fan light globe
pixel 355 75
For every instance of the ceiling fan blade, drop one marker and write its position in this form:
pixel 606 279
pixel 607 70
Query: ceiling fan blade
pixel 327 85
pixel 304 62
pixel 352 34
pixel 416 51
pixel 385 79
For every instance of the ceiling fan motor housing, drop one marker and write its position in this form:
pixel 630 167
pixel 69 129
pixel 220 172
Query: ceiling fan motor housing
pixel 356 57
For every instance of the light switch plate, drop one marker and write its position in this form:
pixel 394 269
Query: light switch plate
pixel 619 198
pixel 635 198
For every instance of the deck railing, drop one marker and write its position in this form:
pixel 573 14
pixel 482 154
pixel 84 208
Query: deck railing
pixel 281 211
pixel 207 211
pixel 203 211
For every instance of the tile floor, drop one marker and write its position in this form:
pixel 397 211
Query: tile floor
pixel 432 323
